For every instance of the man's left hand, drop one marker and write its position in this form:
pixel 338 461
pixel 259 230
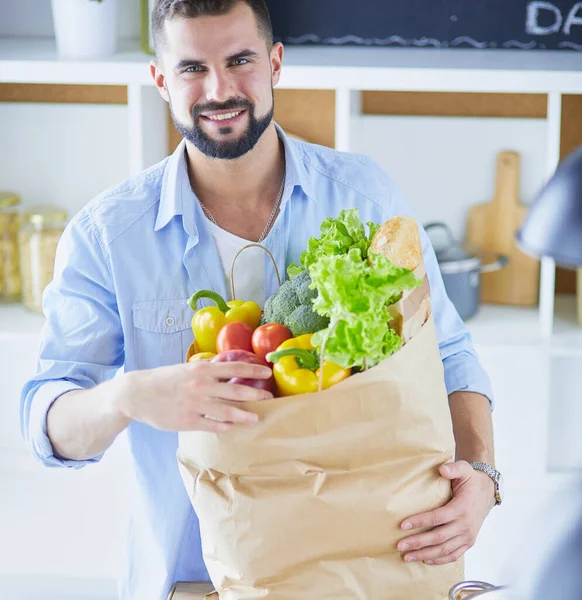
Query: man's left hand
pixel 456 525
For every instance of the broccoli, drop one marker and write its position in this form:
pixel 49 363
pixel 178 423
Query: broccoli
pixel 292 306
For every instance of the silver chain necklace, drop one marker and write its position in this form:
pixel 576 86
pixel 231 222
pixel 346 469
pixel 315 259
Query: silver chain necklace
pixel 269 222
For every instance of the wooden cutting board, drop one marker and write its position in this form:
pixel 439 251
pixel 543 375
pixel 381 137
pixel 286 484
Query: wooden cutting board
pixel 491 228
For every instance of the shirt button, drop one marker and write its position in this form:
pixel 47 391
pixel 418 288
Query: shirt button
pixel 170 321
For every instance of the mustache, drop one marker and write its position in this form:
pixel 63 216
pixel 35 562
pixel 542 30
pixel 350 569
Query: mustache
pixel 232 104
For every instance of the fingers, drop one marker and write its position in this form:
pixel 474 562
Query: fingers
pixel 434 518
pixel 228 370
pixel 219 411
pixel 449 558
pixel 436 537
pixel 443 552
pixel 458 470
pixel 238 393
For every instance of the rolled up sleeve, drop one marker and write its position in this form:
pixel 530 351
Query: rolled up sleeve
pixel 81 343
pixel 462 369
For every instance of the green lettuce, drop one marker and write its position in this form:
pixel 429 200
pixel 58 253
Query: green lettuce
pixel 338 237
pixel 354 291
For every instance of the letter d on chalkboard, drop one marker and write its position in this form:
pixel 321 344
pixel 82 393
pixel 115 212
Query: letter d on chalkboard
pixel 535 10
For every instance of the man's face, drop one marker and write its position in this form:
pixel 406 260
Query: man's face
pixel 219 77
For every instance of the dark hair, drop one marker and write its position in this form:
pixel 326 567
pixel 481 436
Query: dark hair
pixel 165 10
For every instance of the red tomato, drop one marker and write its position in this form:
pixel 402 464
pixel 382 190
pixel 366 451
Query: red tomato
pixel 244 356
pixel 267 338
pixel 234 336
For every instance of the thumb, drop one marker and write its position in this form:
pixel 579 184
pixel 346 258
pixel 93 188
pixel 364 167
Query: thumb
pixel 457 470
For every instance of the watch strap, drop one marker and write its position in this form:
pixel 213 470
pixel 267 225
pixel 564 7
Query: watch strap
pixel 493 474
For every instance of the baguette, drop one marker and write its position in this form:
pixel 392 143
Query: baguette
pixel 398 239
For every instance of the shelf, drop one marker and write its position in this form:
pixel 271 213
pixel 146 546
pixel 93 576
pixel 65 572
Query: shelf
pixel 34 60
pixel 496 327
pixel 511 327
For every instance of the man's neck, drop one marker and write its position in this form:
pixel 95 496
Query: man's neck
pixel 248 183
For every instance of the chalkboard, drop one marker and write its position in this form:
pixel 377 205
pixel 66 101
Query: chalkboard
pixel 519 24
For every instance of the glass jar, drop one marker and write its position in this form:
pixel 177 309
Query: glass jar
pixel 9 262
pixel 39 236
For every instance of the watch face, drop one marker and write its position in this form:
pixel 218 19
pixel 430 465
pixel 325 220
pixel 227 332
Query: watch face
pixel 500 487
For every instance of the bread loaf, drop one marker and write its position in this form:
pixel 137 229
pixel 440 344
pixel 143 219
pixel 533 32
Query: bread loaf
pixel 398 239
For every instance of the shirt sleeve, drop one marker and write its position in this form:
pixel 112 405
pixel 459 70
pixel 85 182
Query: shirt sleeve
pixel 81 342
pixel 463 371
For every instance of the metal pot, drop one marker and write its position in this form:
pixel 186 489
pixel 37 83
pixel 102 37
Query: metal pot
pixel 461 270
pixel 469 590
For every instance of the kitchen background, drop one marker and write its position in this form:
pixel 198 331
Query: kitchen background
pixel 435 123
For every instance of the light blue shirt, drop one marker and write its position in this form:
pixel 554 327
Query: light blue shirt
pixel 125 267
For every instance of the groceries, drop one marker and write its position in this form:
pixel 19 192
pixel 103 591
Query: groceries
pixel 292 306
pixel 248 357
pixel 349 449
pixel 208 321
pixel 345 297
pixel 267 338
pixel 299 370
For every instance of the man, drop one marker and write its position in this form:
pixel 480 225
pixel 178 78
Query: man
pixel 130 259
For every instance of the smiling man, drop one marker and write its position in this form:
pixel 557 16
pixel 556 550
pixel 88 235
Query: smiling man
pixel 131 258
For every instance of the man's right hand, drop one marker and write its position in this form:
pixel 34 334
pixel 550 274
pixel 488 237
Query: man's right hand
pixel 191 396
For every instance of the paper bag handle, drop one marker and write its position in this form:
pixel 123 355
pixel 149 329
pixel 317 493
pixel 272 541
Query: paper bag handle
pixel 253 245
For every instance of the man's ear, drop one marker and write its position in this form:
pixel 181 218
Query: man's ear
pixel 159 79
pixel 276 62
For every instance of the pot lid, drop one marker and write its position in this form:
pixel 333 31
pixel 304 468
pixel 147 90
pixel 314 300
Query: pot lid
pixel 446 247
pixel 452 254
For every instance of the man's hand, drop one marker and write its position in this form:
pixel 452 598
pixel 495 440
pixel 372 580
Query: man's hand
pixel 456 525
pixel 190 397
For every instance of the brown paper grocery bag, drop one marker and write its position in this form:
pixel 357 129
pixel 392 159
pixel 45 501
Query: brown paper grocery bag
pixel 308 503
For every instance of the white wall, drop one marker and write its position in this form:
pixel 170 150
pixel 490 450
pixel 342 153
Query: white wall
pixel 34 18
pixel 565 443
pixel 72 151
pixel 446 165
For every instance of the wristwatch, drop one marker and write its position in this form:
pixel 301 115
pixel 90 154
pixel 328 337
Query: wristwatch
pixel 495 476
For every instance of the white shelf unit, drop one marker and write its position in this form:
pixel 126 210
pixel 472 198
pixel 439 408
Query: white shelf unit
pixel 517 346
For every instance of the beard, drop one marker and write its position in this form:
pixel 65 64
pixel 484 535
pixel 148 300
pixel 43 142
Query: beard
pixel 229 149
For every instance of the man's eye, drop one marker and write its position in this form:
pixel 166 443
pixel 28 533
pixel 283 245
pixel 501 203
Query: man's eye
pixel 240 61
pixel 193 70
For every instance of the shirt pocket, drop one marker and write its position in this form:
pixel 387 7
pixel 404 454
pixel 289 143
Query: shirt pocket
pixel 162 332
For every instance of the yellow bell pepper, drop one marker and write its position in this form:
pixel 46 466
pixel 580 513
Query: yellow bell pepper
pixel 202 356
pixel 207 322
pixel 297 368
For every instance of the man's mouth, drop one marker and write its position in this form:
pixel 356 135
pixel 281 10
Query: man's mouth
pixel 225 118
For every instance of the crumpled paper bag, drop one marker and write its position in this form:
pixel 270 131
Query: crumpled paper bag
pixel 308 503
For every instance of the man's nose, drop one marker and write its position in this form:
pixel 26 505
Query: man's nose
pixel 219 87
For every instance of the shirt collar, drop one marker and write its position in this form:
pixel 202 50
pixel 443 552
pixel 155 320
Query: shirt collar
pixel 177 197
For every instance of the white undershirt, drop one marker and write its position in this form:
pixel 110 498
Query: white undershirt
pixel 249 276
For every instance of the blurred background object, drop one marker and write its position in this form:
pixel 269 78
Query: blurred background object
pixel 491 228
pixel 9 263
pixel 39 235
pixel 85 29
pixel 463 272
